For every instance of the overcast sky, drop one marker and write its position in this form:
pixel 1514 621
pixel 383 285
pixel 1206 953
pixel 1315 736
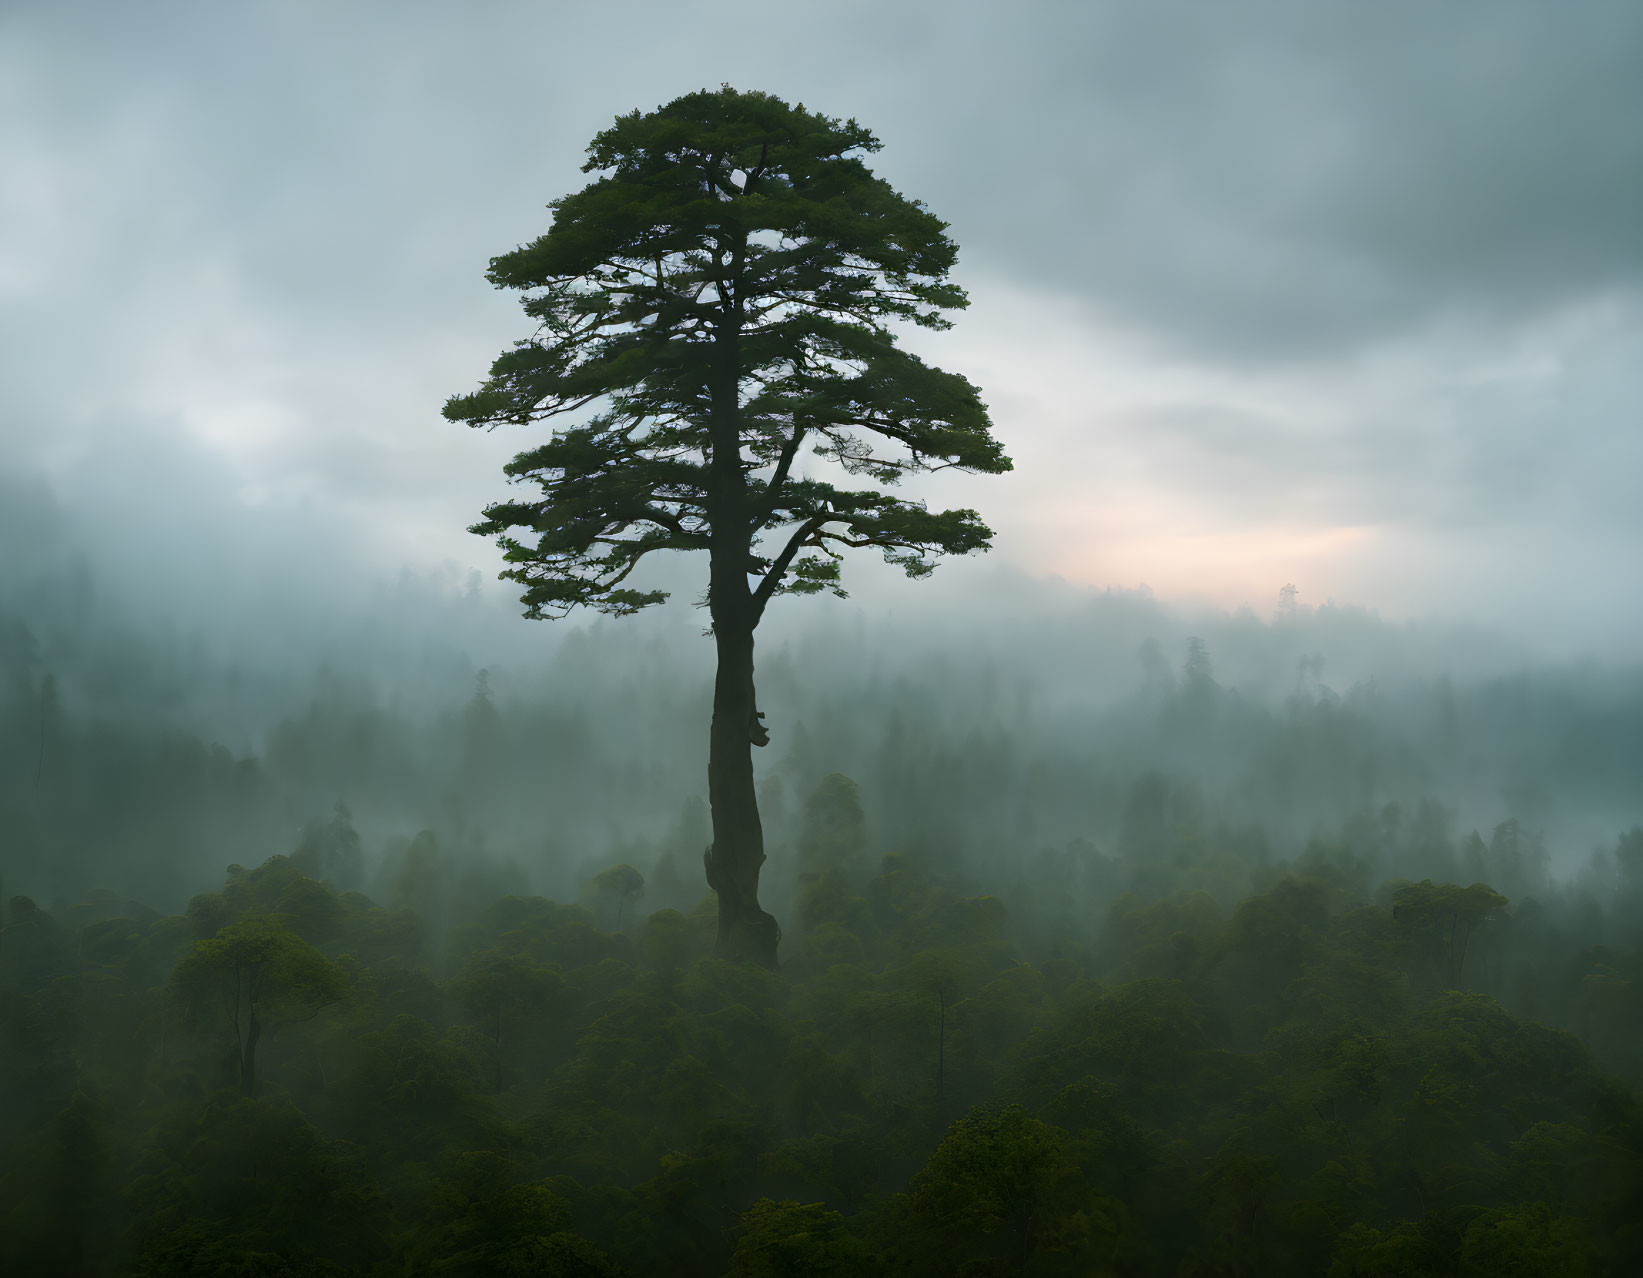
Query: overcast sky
pixel 1345 295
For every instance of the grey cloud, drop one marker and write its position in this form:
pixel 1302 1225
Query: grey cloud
pixel 1275 180
pixel 307 194
pixel 1263 180
pixel 1549 448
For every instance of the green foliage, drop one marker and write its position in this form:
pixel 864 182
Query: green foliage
pixel 481 1221
pixel 254 1178
pixel 729 278
pixel 834 833
pixel 511 998
pixel 617 889
pixel 1526 1239
pixel 1448 915
pixel 330 850
pixel 1404 1250
pixel 781 1238
pixel 994 1188
pixel 259 960
pixel 253 975
pixel 1275 1087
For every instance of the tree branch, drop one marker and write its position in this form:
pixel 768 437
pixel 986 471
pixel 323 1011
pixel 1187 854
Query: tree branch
pixel 778 567
pixel 784 464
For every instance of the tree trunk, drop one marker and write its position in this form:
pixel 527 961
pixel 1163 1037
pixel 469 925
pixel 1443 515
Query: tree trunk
pixel 746 931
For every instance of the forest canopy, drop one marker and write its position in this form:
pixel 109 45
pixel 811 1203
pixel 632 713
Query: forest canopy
pixel 1294 1079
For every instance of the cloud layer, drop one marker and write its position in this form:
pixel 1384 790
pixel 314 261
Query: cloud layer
pixel 1350 295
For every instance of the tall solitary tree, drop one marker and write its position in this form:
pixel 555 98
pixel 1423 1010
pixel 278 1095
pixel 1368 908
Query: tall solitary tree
pixel 714 329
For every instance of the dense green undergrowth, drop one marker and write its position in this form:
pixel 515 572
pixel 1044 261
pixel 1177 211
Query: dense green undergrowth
pixel 1319 1078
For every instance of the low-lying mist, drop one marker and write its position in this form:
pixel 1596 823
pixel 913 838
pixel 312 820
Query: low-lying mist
pixel 1054 744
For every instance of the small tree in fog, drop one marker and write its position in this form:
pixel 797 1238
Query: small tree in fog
pixel 945 976
pixel 330 850
pixel 620 884
pixel 257 974
pixel 716 308
pixel 1449 913
pixel 834 835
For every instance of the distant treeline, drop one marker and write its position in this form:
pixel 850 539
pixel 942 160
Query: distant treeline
pixel 999 750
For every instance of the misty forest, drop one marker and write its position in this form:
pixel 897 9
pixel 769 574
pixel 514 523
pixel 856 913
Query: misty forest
pixel 717 921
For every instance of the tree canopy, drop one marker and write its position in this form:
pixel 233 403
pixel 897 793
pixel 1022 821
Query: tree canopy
pixel 718 302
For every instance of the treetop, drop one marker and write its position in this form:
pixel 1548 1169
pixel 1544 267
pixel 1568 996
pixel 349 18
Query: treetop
pixel 718 304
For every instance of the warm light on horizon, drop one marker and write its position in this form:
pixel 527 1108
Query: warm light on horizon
pixel 1227 567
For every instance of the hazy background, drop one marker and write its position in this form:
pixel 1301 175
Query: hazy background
pixel 1343 296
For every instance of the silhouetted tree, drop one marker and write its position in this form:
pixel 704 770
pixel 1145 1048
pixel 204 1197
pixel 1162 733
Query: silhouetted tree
pixel 719 301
